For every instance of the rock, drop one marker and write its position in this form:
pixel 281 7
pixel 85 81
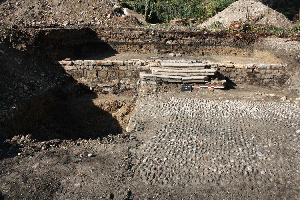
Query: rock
pixel 132 13
pixel 178 22
pixel 284 98
pixel 117 9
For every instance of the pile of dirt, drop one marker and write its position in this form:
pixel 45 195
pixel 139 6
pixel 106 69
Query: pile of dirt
pixel 248 11
pixel 49 13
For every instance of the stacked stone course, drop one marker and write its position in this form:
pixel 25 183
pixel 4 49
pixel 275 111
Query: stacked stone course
pixel 106 76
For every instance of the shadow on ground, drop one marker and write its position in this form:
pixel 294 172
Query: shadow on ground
pixel 229 84
pixel 60 115
pixel 93 51
pixel 66 111
pixel 1 196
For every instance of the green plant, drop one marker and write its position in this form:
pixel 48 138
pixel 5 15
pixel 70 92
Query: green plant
pixel 296 28
pixel 215 25
pixel 157 11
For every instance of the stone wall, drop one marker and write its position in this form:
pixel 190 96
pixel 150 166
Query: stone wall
pixel 113 77
pixel 258 74
pixel 117 77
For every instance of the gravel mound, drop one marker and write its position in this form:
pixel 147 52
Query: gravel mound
pixel 248 146
pixel 248 10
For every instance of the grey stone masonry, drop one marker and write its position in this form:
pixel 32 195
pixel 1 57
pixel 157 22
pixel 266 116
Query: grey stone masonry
pixel 105 76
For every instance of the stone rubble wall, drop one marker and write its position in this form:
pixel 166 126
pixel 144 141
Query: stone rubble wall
pixel 123 76
pixel 106 76
pixel 258 74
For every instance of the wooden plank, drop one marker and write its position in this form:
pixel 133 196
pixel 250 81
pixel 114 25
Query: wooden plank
pixel 194 81
pixel 170 77
pixel 183 70
pixel 168 72
pixel 185 74
pixel 194 78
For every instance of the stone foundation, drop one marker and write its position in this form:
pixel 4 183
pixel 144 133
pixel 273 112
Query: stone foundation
pixel 118 77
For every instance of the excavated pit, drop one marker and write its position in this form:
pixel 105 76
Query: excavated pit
pixel 102 70
pixel 103 134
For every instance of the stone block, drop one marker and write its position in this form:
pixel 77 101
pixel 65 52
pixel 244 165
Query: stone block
pixel 121 74
pixel 118 63
pixel 98 67
pixel 91 73
pixel 106 63
pixel 77 62
pixel 123 67
pixel 135 74
pixel 76 73
pixel 89 63
pixel 64 62
pixel 112 74
pixel 70 67
pixel 102 74
pixel 128 74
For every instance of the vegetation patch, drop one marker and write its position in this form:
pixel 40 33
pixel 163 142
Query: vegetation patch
pixel 157 11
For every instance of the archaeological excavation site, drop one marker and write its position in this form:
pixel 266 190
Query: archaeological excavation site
pixel 99 102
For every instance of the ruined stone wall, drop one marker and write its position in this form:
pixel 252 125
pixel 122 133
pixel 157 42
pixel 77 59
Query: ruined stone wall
pixel 116 77
pixel 258 74
pixel 112 77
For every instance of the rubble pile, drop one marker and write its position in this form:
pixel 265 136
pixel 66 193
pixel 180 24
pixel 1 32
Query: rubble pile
pixel 63 13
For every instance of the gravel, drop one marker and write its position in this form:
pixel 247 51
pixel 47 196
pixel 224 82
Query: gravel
pixel 248 10
pixel 192 142
pixel 64 13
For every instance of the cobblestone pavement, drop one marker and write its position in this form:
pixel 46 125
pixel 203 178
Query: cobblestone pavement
pixel 251 147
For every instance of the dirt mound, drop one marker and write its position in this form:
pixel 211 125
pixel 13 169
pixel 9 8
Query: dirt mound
pixel 63 13
pixel 251 11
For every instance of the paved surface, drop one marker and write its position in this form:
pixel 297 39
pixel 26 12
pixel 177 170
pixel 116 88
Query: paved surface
pixel 208 144
pixel 249 147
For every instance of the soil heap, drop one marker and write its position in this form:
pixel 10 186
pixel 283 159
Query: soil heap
pixel 63 13
pixel 250 11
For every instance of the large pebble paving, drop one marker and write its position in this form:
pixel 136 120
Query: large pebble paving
pixel 194 141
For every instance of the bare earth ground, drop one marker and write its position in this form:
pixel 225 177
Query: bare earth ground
pixel 169 154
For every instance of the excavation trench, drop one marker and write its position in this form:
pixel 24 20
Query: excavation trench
pixel 101 76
